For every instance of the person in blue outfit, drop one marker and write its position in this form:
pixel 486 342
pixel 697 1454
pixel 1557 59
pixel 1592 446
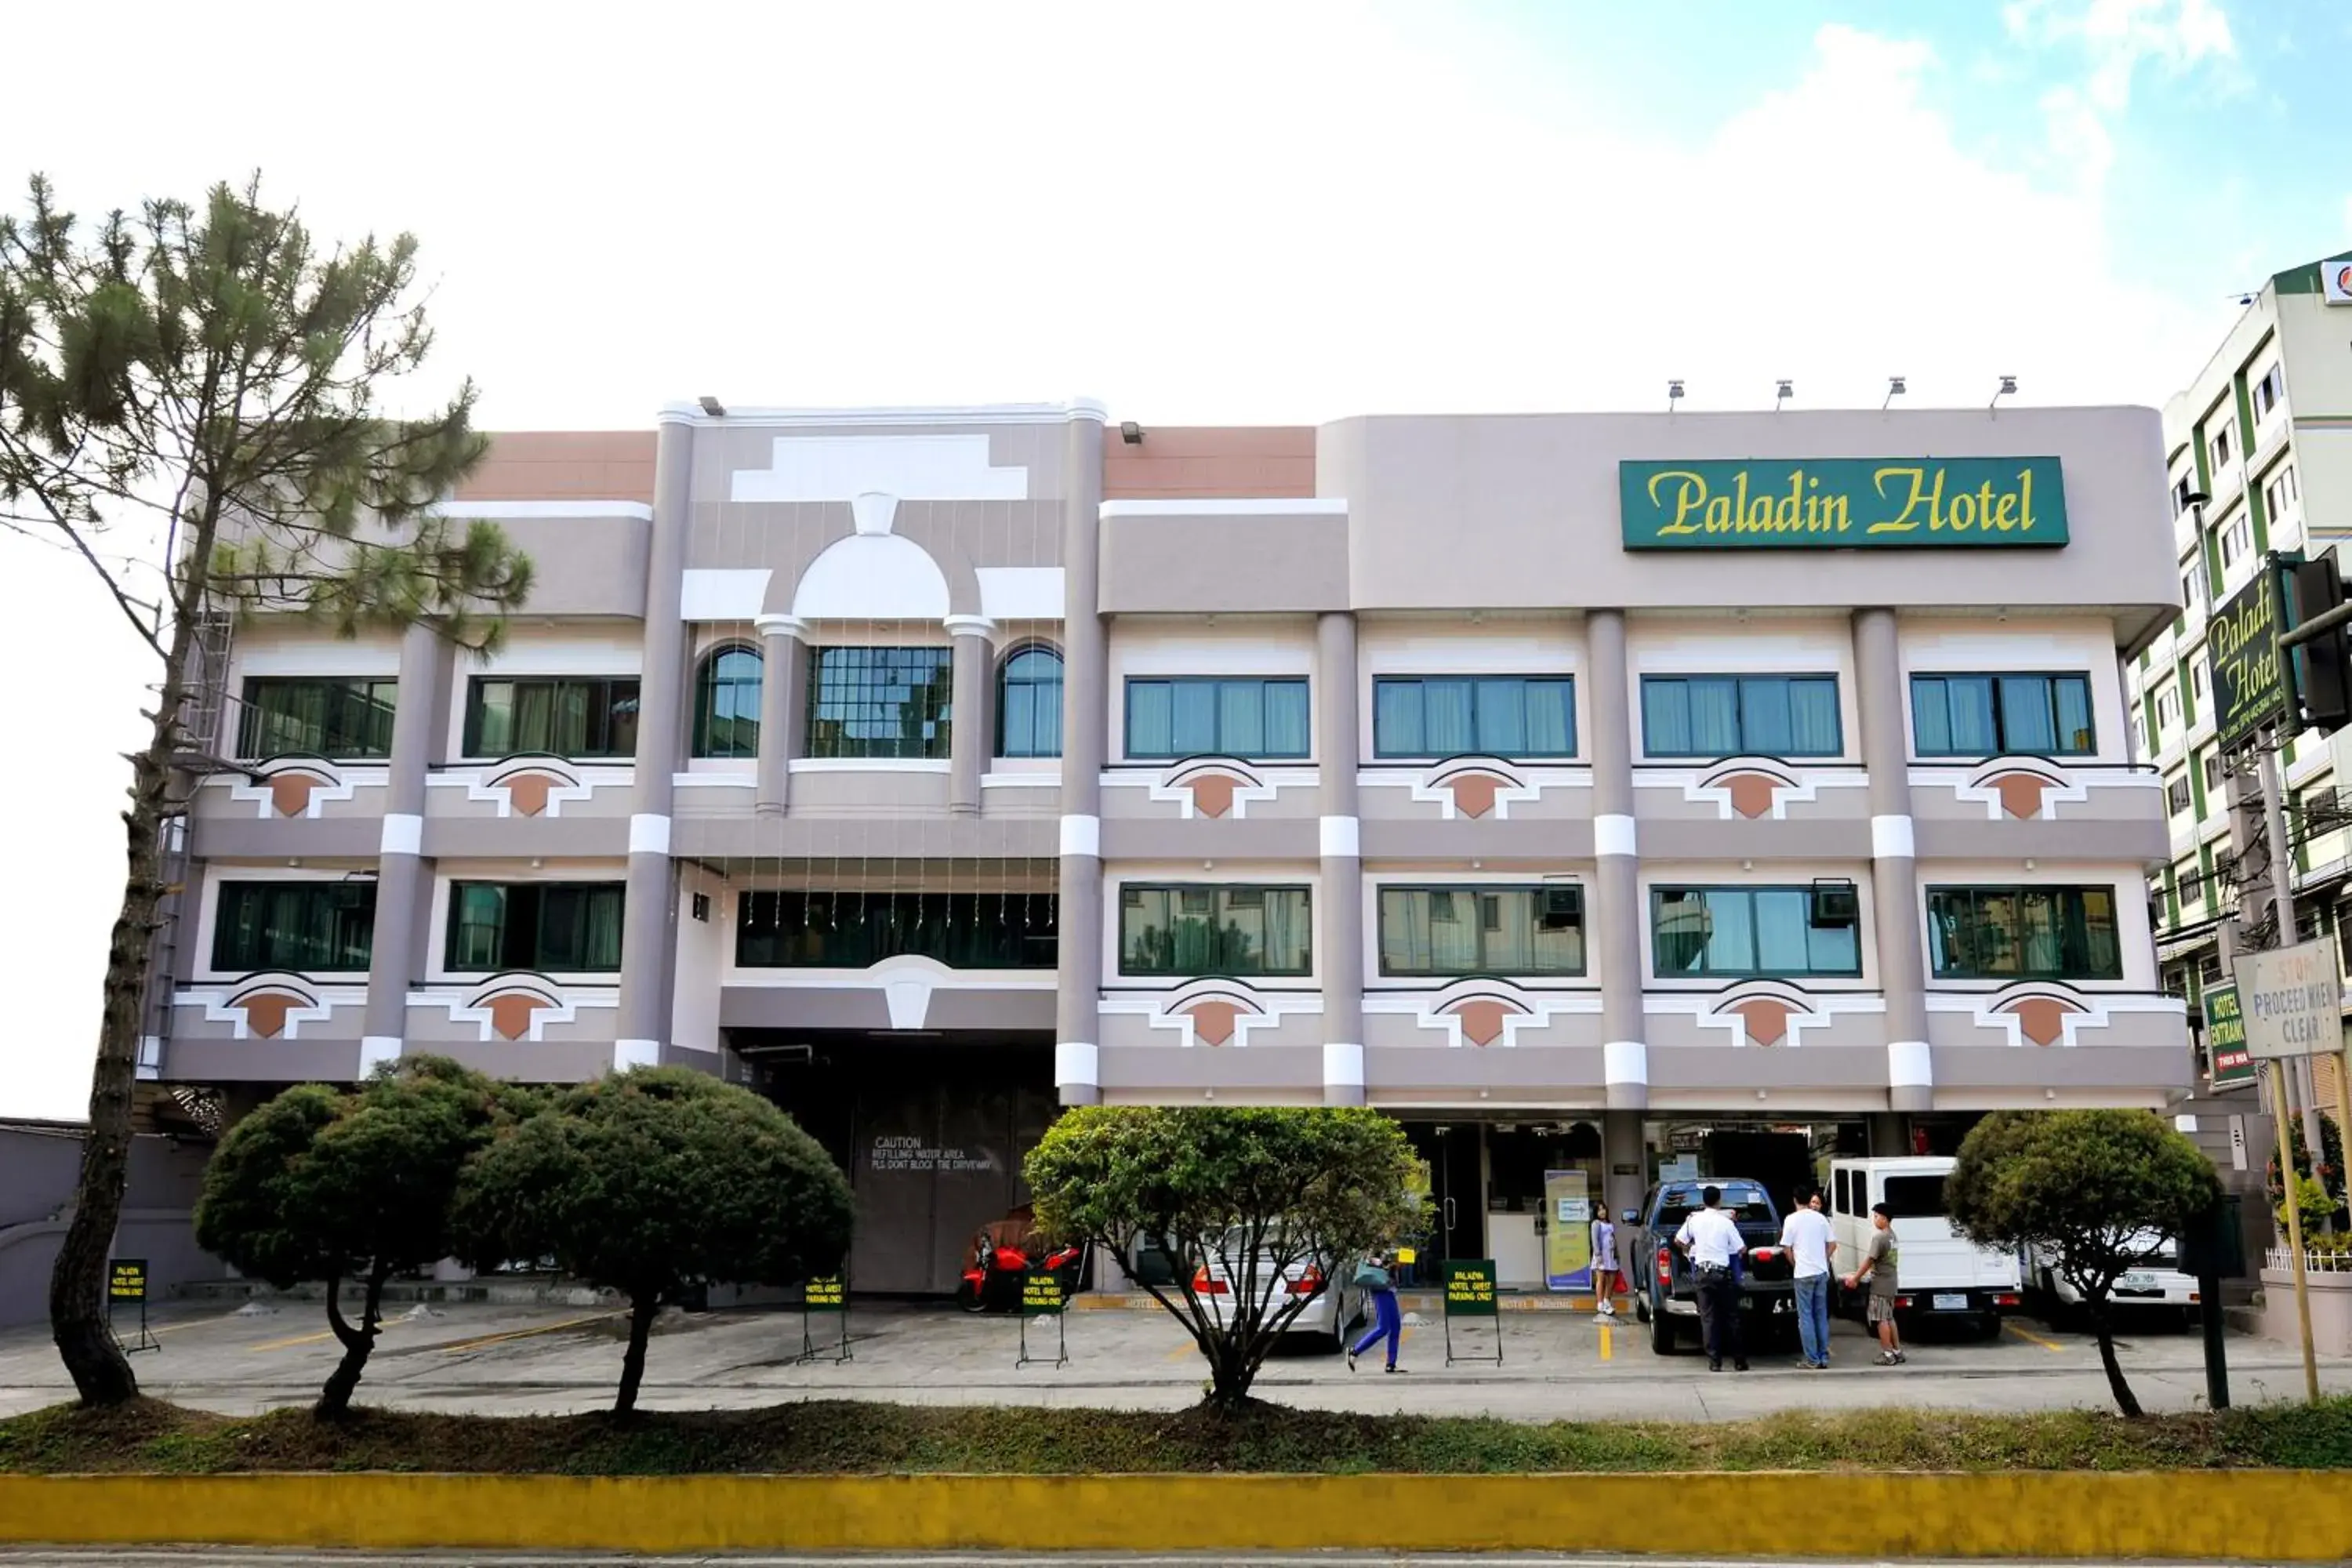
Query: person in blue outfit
pixel 1373 1276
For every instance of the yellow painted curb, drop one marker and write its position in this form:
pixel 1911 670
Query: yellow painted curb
pixel 2247 1515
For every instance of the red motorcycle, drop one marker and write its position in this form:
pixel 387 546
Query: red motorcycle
pixel 1002 1254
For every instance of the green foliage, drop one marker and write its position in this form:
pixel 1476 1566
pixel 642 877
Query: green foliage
pixel 1258 1192
pixel 841 1437
pixel 655 1183
pixel 214 368
pixel 2330 1171
pixel 2095 1191
pixel 2311 1203
pixel 322 1185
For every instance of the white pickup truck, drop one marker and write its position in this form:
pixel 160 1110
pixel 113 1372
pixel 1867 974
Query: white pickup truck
pixel 2156 1282
pixel 1939 1273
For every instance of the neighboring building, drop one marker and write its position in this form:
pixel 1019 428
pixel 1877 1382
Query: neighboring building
pixel 930 769
pixel 2266 432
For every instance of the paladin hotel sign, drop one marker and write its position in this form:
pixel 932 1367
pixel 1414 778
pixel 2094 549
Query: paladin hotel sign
pixel 1843 504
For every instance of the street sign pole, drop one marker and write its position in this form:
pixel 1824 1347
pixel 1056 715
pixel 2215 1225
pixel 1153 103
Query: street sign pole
pixel 2294 1238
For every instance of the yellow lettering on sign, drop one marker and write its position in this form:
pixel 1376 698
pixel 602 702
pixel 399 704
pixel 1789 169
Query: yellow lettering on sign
pixel 1920 494
pixel 1690 495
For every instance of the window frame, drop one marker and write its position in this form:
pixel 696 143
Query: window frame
pixel 476 687
pixel 707 683
pixel 1741 680
pixel 455 921
pixel 2178 784
pixel 1262 754
pixel 1475 679
pixel 1997 677
pixel 1127 969
pixel 359 892
pixel 1005 680
pixel 2018 891
pixel 1656 903
pixel 830 744
pixel 355 690
pixel 1032 960
pixel 1478 890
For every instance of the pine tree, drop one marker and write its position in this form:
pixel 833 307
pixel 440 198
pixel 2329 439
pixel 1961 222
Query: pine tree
pixel 207 386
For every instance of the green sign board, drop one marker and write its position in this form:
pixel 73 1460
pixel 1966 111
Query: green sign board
pixel 1470 1288
pixel 826 1295
pixel 1843 504
pixel 1041 1293
pixel 2225 1039
pixel 2253 683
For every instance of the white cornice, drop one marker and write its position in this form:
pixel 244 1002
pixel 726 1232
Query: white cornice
pixel 1272 506
pixel 979 413
pixel 515 510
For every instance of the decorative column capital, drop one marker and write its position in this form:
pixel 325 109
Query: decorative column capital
pixel 969 625
pixel 780 626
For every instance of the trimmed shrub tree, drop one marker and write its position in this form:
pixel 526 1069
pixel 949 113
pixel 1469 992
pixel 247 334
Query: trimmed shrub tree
pixel 323 1184
pixel 1270 1197
pixel 2098 1190
pixel 656 1183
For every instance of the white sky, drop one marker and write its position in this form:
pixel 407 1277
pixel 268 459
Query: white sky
pixel 1206 212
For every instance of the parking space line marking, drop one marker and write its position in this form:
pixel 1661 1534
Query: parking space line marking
pixel 2051 1345
pixel 525 1333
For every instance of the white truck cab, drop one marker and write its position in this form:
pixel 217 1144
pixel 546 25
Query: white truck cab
pixel 1939 1273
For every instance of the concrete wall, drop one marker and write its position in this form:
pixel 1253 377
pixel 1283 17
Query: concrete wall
pixel 38 1164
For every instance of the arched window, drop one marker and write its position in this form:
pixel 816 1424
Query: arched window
pixel 727 703
pixel 1029 705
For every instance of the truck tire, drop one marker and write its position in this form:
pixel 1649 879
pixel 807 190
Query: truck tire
pixel 1988 1326
pixel 1662 1334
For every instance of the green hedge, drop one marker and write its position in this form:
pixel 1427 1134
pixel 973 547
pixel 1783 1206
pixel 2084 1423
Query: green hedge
pixel 843 1437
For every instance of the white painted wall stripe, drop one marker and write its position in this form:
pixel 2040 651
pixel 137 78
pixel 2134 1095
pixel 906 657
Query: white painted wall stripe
pixel 1626 1062
pixel 1908 1065
pixel 1342 837
pixel 648 833
pixel 1891 838
pixel 1075 1062
pixel 627 1054
pixel 1343 1064
pixel 1082 834
pixel 404 834
pixel 377 1050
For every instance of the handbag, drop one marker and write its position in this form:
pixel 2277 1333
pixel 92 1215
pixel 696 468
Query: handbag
pixel 1371 1277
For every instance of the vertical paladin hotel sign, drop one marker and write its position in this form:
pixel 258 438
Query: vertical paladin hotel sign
pixel 2251 683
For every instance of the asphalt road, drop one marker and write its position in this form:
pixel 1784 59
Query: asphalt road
pixel 510 1360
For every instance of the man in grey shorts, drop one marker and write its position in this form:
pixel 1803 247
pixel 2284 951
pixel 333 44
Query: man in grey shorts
pixel 1878 1267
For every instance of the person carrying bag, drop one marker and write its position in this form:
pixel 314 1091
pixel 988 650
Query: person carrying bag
pixel 1370 1275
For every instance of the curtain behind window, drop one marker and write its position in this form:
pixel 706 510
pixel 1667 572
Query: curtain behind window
pixel 1396 718
pixel 2072 696
pixel 1714 716
pixel 2025 714
pixel 1813 718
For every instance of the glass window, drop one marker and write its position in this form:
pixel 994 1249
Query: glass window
pixel 2222 447
pixel 2023 934
pixel 2002 715
pixel 1747 931
pixel 880 701
pixel 566 716
pixel 1915 1197
pixel 340 718
pixel 1213 929
pixel 2269 390
pixel 1490 715
pixel 727 703
pixel 1191 716
pixel 2237 541
pixel 855 931
pixel 2182 489
pixel 1482 931
pixel 309 927
pixel 552 928
pixel 1741 715
pixel 1029 705
pixel 2176 793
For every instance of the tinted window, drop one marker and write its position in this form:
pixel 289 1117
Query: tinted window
pixel 1915 1197
pixel 1743 1202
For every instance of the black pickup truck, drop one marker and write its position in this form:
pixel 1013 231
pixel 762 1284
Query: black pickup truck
pixel 1666 1285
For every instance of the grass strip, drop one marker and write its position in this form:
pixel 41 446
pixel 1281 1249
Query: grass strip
pixel 845 1437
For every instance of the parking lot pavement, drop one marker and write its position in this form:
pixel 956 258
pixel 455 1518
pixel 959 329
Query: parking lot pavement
pixel 498 1360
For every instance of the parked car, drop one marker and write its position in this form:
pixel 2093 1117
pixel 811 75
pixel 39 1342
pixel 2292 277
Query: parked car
pixel 1938 1272
pixel 1666 1285
pixel 2155 1284
pixel 1337 1304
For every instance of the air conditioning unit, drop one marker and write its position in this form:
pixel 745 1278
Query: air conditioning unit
pixel 1836 903
pixel 1563 909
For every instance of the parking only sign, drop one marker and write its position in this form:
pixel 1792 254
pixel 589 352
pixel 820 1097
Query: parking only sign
pixel 2290 1002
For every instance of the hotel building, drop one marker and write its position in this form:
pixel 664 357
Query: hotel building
pixel 1573 788
pixel 2259 449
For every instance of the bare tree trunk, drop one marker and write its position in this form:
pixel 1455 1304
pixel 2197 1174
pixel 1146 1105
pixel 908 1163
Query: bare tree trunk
pixel 100 1372
pixel 335 1399
pixel 1230 1373
pixel 642 1312
pixel 2102 1325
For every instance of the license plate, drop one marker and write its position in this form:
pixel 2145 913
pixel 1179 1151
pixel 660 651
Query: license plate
pixel 2137 1282
pixel 1951 1303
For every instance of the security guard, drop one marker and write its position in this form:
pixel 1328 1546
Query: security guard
pixel 1710 1238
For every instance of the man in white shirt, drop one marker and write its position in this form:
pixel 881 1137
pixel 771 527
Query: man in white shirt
pixel 1806 1234
pixel 1710 1238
